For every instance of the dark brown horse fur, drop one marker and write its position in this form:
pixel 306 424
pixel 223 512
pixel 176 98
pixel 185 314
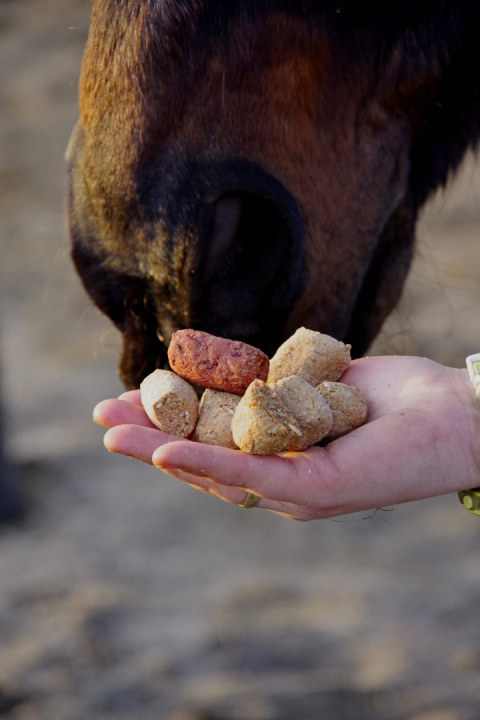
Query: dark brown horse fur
pixel 252 166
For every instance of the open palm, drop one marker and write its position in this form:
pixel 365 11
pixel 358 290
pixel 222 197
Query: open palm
pixel 422 438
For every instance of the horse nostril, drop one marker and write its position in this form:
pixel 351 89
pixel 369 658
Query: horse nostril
pixel 249 265
pixel 226 220
pixel 148 304
pixel 133 308
pixel 248 235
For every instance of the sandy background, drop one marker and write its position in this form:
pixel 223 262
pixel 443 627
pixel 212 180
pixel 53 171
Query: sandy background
pixel 124 594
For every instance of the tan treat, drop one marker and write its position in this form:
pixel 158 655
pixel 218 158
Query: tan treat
pixel 262 424
pixel 311 355
pixel 214 424
pixel 216 363
pixel 348 406
pixel 307 405
pixel 170 402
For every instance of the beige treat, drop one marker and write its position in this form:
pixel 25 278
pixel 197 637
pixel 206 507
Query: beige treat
pixel 311 355
pixel 262 425
pixel 170 402
pixel 348 406
pixel 307 405
pixel 214 424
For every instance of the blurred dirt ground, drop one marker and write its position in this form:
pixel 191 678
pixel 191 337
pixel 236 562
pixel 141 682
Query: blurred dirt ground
pixel 124 594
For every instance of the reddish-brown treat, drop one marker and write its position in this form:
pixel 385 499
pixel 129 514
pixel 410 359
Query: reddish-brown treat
pixel 216 363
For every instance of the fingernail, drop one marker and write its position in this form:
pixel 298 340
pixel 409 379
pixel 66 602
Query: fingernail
pixel 97 419
pixel 161 464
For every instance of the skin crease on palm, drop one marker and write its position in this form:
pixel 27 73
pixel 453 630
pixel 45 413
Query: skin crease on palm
pixel 421 439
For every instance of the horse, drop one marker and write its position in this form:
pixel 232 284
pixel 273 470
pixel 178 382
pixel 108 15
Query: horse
pixel 252 166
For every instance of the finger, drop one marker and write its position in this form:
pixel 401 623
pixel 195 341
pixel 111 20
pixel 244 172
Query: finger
pixel 237 496
pixel 321 483
pixel 132 396
pixel 135 441
pixel 267 476
pixel 119 412
pixel 356 472
pixel 141 443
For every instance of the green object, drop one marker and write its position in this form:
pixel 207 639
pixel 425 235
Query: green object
pixel 250 501
pixel 470 500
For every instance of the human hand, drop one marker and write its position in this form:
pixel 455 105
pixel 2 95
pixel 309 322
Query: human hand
pixel 421 439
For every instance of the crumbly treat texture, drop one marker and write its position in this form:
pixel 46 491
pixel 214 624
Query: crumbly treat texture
pixel 262 425
pixel 214 424
pixel 310 355
pixel 309 408
pixel 170 402
pixel 216 363
pixel 292 407
pixel 348 406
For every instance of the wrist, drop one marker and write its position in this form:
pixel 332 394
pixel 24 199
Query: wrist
pixel 468 431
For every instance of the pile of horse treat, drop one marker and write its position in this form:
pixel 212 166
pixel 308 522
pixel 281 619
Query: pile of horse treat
pixel 251 403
